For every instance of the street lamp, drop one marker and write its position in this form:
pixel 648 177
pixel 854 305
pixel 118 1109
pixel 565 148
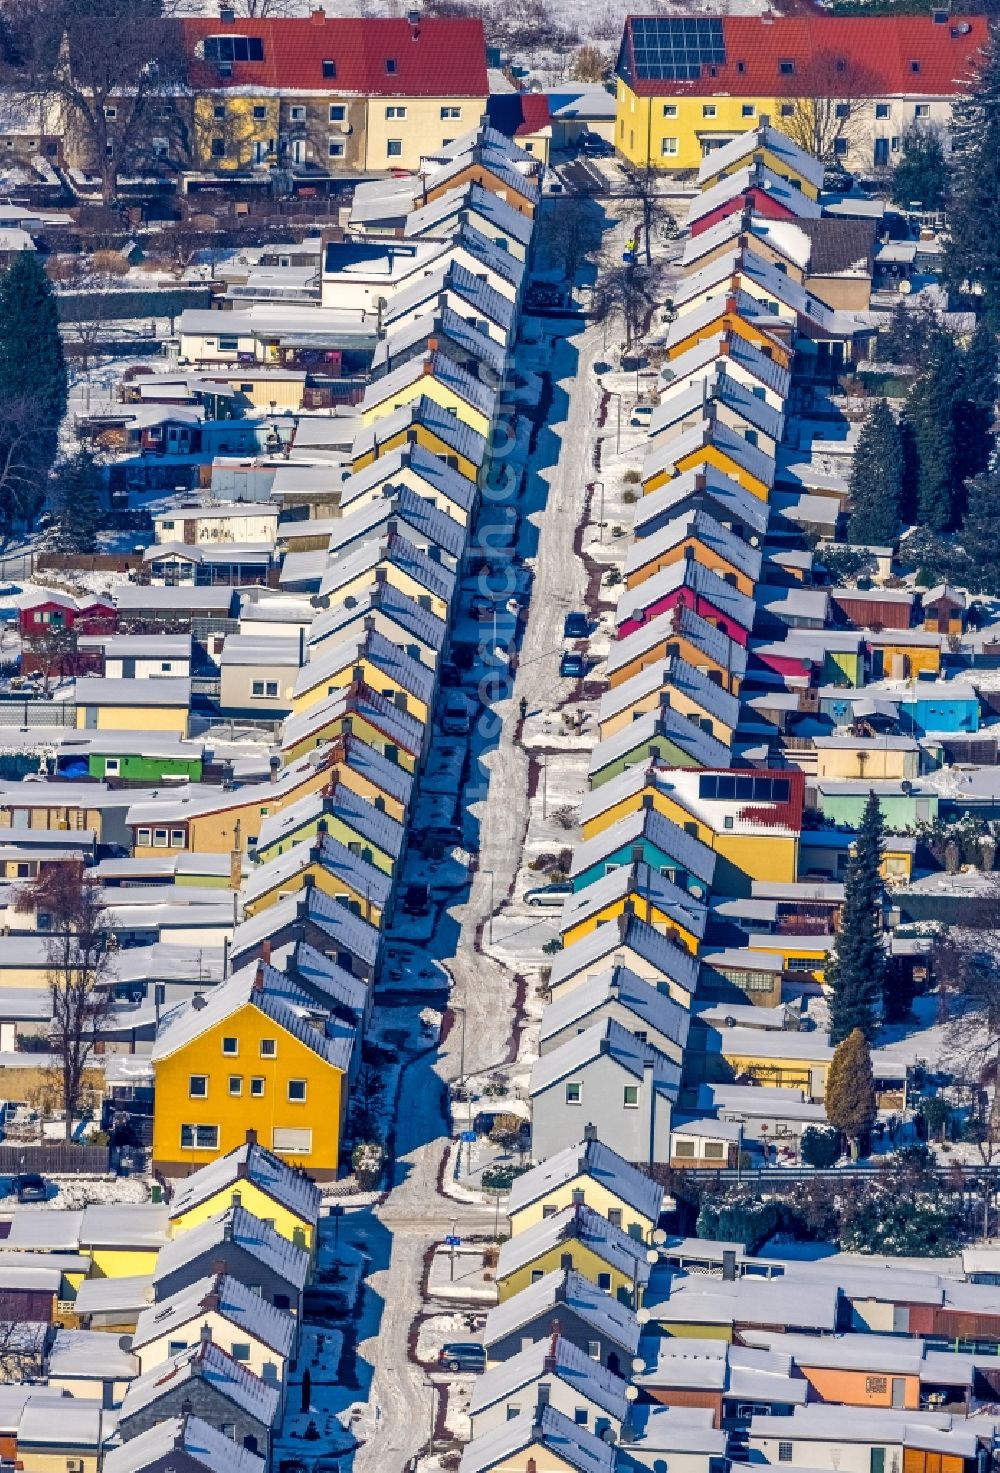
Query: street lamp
pixel 600 523
pixel 740 1121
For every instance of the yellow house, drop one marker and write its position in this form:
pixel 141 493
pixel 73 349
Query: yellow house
pixel 133 705
pixel 687 690
pixel 123 1241
pixel 592 1175
pixel 765 145
pixel 641 890
pixel 794 1060
pixel 54 1433
pixel 240 1057
pixel 877 758
pixel 720 317
pixel 684 94
pixel 896 654
pixel 327 865
pixel 683 635
pixel 694 537
pixel 423 471
pixel 714 444
pixel 374 718
pixel 579 1238
pixel 436 377
pixel 373 661
pixel 422 422
pixel 224 821
pixel 249 1176
pixel 804 958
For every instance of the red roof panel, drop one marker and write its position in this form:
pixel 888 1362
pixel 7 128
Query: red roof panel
pixel 880 56
pixel 436 57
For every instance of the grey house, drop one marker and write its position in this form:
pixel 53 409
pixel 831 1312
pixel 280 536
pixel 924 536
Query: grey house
pixel 641 947
pixel 235 1242
pixel 567 1304
pixel 182 1445
pixel 604 1074
pixel 630 1000
pixel 207 1383
pixel 557 1371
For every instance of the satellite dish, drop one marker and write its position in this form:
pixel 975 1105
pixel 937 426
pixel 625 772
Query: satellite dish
pixel 659 1237
pixel 609 1435
pixel 905 287
pixel 632 1392
pixel 638 1366
pixel 642 1316
pixel 652 1255
pixel 125 1343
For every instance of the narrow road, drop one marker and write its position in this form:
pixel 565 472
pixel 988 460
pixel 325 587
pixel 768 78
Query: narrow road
pixel 415 1212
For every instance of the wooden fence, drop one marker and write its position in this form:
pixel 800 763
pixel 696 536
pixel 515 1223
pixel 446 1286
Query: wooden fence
pixel 54 1159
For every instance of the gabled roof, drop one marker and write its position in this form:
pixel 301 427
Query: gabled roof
pixel 764 136
pixel 395 605
pixel 438 57
pixel 640 879
pixel 209 1364
pixel 405 506
pixel 576 1224
pixel 448 428
pixel 433 365
pixel 708 316
pixel 606 1040
pixel 329 660
pixel 429 219
pixel 746 53
pixel 717 386
pixel 690 853
pixel 755 176
pixel 702 581
pixel 431 326
pixel 179 1437
pixel 654 1009
pixel 391 549
pixel 564 1290
pixel 375 709
pixel 340 802
pixel 626 931
pixel 224 1295
pixel 672 673
pixel 440 476
pixel 584 1375
pixel 277 1254
pixel 708 432
pixel 704 749
pixel 458 279
pixel 703 527
pixel 574 1447
pixel 594 1159
pixel 249 1162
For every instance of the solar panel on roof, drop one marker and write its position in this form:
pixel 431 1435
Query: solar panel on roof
pixel 676 50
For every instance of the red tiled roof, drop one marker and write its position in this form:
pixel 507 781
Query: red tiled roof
pixel 518 113
pixel 436 57
pixel 884 56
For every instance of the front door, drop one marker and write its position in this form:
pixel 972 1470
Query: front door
pixel 881 152
pixel 899 1391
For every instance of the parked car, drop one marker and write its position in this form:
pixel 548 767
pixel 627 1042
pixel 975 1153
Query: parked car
pixel 553 894
pixel 442 836
pixel 463 656
pixel 455 718
pixel 485 1120
pixel 462 1355
pixel 573 666
pixel 10 590
pixel 30 1187
pixel 449 674
pixel 417 899
pixel 576 626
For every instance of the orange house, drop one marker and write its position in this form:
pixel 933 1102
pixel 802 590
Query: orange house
pixel 728 319
pixel 694 537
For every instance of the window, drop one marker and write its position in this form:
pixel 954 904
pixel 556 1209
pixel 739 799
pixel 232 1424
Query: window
pixel 395 111
pixel 338 112
pixel 297 114
pixel 240 1350
pixel 336 148
pixel 784 1452
pixel 231 1047
pixel 229 344
pixel 177 838
pixel 236 1084
pixel 922 110
pixel 594 1349
pixel 394 148
pixel 110 113
pixel 882 109
pixel 747 110
pixel 256 1086
pixel 218 148
pixel 786 68
pixel 451 112
pixel 219 111
pixel 513 1410
pixel 329 68
pixel 159 838
pixel 714 1150
pixel 708 110
pixel 548 1210
pixel 631 1097
pixel 199 1137
pixel 842 110
pixel 228 1429
pixel 260 111
pixel 683 1148
pixel 914 67
pixel 670 109
pixel 615 1216
pixel 297 1091
pixel 574 1094
pixel 234 48
pixel 390 65
pixel 264 689
pixel 604 1283
pixel 787 109
pixel 198 1086
pixel 580 1416
pixel 840 148
pixel 176 1347
pixel 293 1140
pixel 668 147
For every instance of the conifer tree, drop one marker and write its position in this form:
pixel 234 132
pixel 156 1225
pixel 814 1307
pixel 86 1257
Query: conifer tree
pixel 973 255
pixel 856 973
pixel 78 504
pixel 850 1101
pixel 974 419
pixel 876 481
pixel 922 171
pixel 32 383
pixel 931 413
pixel 980 532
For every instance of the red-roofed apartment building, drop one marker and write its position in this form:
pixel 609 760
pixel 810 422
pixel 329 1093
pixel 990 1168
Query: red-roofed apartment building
pixel 328 94
pixel 690 84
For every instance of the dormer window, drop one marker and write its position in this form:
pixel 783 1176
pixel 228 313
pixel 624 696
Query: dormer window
pixel 786 68
pixel 227 49
pixel 390 65
pixel 914 66
pixel 329 69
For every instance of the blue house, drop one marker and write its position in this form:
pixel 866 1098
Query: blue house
pixel 647 836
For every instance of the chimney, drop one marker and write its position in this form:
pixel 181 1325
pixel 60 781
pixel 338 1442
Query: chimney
pixel 730 304
pixel 729 1265
pixel 227 1230
pixel 236 1198
pixel 265 950
pixel 258 979
pixel 427 367
pixel 605 1045
pixel 549 1363
pixel 763 123
pixel 647 802
pixel 432 345
pixel 723 348
pixel 302 647
pixel 590 1131
pixel 251 1138
pixel 275 767
pixel 317 17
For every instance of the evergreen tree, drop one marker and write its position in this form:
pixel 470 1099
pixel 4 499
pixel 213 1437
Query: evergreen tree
pixel 850 1087
pixel 931 413
pixel 876 481
pixel 78 504
pixel 979 534
pixel 973 254
pixel 922 172
pixel 32 384
pixel 975 411
pixel 857 970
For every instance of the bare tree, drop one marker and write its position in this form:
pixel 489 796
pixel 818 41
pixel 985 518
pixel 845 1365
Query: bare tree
pixel 20 487
pixel 52 653
pixel 79 954
pixel 589 64
pixel 966 962
pixel 570 232
pixel 628 291
pixel 827 108
pixel 110 71
pixel 656 219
